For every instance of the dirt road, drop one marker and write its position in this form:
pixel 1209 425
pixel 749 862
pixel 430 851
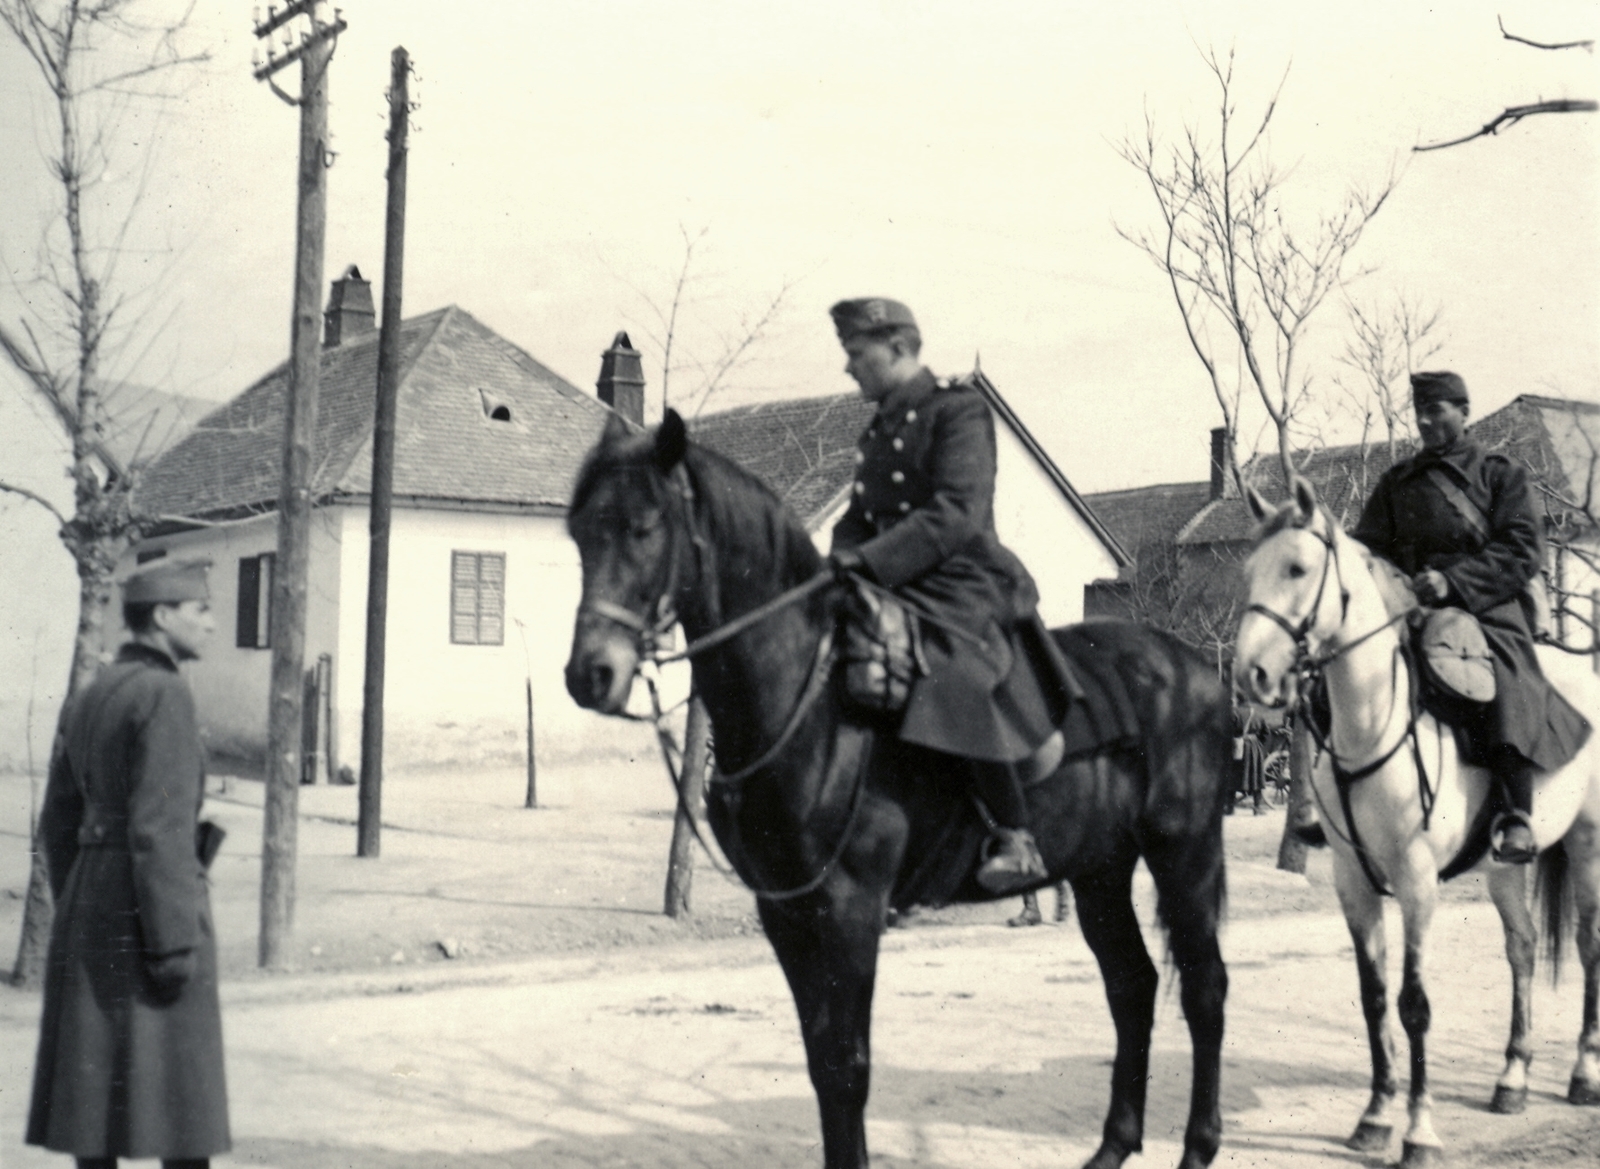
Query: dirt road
pixel 991 1048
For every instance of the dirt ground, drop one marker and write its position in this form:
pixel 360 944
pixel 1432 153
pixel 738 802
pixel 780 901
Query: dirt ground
pixel 580 1027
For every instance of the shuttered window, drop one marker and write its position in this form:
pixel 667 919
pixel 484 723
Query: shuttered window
pixel 478 598
pixel 255 602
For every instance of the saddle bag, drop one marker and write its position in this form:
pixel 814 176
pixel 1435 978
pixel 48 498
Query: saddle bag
pixel 882 651
pixel 1456 655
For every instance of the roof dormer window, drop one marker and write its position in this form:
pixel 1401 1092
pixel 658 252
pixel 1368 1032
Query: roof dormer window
pixel 493 408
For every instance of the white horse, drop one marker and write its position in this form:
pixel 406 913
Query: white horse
pixel 1318 603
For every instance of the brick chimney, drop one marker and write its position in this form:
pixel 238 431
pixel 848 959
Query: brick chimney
pixel 349 312
pixel 1222 484
pixel 621 382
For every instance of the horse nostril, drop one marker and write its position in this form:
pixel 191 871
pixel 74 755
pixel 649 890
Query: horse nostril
pixel 600 678
pixel 1258 682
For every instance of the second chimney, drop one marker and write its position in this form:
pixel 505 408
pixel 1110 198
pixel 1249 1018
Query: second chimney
pixel 349 312
pixel 1222 486
pixel 621 382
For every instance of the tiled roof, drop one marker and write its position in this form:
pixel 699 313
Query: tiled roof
pixel 1142 517
pixel 804 448
pixel 453 372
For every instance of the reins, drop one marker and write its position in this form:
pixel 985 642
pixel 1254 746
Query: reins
pixel 1311 667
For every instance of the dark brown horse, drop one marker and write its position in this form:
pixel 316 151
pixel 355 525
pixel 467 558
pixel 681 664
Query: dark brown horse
pixel 832 823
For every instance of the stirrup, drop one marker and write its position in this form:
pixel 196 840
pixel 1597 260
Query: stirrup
pixel 1505 846
pixel 1011 862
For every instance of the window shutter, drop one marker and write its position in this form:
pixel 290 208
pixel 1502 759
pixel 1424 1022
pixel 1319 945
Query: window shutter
pixel 249 600
pixel 463 598
pixel 491 599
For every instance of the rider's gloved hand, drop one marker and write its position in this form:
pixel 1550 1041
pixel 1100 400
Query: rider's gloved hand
pixel 842 562
pixel 1432 586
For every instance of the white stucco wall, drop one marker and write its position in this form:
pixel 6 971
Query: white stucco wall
pixel 450 705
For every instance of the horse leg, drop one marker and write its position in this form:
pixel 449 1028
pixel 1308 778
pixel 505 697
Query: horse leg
pixel 1189 881
pixel 1508 887
pixel 1583 859
pixel 1417 892
pixel 1105 914
pixel 829 954
pixel 1363 914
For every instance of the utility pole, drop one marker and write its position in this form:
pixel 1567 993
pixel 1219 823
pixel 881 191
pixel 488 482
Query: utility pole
pixel 311 44
pixel 369 817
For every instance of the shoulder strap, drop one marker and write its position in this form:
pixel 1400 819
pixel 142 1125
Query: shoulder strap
pixel 1460 501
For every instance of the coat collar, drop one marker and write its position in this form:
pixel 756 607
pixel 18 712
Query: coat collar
pixel 137 651
pixel 1463 458
pixel 913 393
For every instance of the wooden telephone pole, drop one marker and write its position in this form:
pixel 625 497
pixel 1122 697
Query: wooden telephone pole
pixel 311 45
pixel 369 817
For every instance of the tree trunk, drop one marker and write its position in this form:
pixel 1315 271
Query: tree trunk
pixel 1291 851
pixel 696 757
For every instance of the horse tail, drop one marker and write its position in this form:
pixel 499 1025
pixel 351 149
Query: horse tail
pixel 1553 891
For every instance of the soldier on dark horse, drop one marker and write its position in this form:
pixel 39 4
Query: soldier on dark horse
pixel 994 688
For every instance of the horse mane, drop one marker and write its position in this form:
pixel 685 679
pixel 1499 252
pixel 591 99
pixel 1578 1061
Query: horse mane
pixel 737 507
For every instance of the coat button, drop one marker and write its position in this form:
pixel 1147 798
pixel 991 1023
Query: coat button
pixel 858 487
pixel 99 832
pixel 861 457
pixel 905 505
pixel 868 516
pixel 911 415
pixel 899 443
pixel 897 477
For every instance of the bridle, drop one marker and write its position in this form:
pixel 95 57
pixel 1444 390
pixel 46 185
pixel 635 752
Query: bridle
pixel 1309 668
pixel 652 633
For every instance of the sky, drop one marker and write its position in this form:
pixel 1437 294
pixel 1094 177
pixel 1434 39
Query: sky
pixel 959 156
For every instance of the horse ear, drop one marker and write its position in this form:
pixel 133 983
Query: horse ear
pixel 672 440
pixel 1259 507
pixel 1305 497
pixel 615 431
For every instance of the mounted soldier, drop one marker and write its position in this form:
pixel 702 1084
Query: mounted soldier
pixel 1460 521
pixel 993 687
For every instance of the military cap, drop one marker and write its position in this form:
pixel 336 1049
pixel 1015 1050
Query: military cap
pixel 168 582
pixel 869 315
pixel 1438 386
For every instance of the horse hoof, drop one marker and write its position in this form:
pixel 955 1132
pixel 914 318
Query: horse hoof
pixel 1508 1101
pixel 1420 1156
pixel 1107 1156
pixel 1370 1138
pixel 1582 1092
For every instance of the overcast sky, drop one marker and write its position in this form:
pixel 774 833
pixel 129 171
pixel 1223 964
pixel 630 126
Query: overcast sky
pixel 959 156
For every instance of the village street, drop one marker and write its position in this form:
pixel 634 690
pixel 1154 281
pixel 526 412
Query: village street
pixel 631 1040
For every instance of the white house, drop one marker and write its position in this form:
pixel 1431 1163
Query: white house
pixel 484 581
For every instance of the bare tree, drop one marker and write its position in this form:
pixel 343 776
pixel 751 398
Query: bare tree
pixel 1387 342
pixel 1511 115
pixel 1247 281
pixel 97 60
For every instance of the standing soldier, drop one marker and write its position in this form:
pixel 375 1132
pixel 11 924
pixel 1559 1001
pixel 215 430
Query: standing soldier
pixel 1461 523
pixel 130 1042
pixel 921 523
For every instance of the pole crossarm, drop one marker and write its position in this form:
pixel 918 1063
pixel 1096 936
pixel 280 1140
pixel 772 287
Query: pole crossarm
pixel 324 32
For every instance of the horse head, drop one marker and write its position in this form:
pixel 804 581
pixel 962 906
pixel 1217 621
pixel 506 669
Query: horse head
pixel 624 519
pixel 1291 612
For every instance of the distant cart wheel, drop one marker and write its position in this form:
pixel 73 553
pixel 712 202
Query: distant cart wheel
pixel 1276 770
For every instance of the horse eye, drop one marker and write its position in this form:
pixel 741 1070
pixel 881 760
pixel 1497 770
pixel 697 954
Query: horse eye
pixel 1296 571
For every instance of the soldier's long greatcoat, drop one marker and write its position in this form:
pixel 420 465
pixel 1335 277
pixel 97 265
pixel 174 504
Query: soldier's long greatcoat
pixel 1411 522
pixel 121 1073
pixel 922 518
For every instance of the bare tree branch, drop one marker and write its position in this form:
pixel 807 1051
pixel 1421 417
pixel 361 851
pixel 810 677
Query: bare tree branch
pixel 1514 114
pixel 39 499
pixel 1586 45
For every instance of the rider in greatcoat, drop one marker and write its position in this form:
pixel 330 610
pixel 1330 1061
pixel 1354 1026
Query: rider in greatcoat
pixel 921 523
pixel 1461 522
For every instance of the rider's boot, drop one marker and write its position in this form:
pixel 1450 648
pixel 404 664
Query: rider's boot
pixel 1011 860
pixel 1512 833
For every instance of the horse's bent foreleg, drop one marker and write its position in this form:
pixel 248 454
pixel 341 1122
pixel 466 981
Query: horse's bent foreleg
pixel 1363 914
pixel 830 958
pixel 1508 886
pixel 1105 914
pixel 1188 875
